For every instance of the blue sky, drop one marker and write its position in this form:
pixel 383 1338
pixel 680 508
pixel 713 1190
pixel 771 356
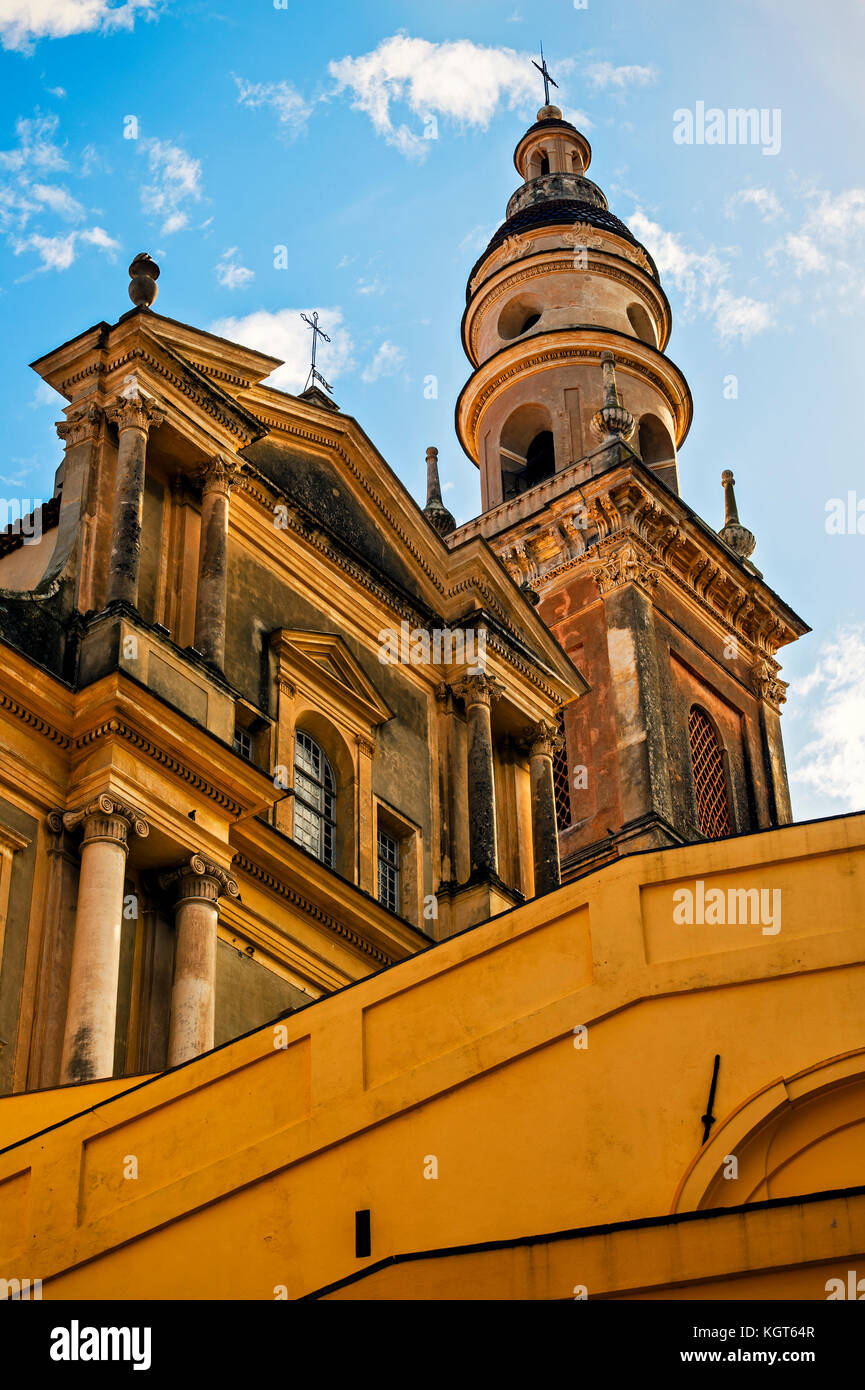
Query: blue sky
pixel 259 126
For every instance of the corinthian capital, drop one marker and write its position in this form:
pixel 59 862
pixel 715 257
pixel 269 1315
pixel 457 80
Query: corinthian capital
pixel 200 878
pixel 220 474
pixel 543 739
pixel 478 690
pixel 134 409
pixel 79 425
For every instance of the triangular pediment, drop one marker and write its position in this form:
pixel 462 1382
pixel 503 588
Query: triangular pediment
pixel 323 659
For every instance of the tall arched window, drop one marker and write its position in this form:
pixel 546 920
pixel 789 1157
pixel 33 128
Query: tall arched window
pixel 314 799
pixel 710 782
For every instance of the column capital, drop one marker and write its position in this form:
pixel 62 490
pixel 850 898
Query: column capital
pixel 80 425
pixel 200 878
pixel 219 474
pixel 478 690
pixel 543 739
pixel 105 818
pixel 134 409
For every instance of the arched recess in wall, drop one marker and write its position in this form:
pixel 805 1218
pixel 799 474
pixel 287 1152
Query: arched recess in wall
pixel 642 324
pixel 527 451
pixel 799 1134
pixel 709 766
pixel 338 755
pixel 519 316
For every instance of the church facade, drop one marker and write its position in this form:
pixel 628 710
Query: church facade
pixel 376 893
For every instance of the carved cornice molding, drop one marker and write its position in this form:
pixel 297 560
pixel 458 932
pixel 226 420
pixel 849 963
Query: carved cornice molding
pixel 551 356
pixel 117 729
pixel 245 865
pixel 180 383
pixel 34 721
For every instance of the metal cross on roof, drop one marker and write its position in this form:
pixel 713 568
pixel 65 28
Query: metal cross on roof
pixel 317 333
pixel 545 74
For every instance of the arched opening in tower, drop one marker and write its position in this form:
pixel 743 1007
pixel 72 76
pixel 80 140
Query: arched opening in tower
pixel 527 450
pixel 642 324
pixel 657 450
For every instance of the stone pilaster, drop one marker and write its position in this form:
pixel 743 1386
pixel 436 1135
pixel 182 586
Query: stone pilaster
pixel 198 884
pixel 134 414
pixel 217 479
pixel 88 1041
pixel 478 693
pixel 543 740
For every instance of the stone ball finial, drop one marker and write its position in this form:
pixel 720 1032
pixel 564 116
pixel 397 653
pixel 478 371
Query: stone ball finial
pixel 550 113
pixel 144 272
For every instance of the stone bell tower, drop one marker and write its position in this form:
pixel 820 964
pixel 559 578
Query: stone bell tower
pixel 574 416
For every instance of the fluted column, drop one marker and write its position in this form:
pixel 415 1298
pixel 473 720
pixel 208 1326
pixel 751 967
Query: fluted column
pixel 479 692
pixel 199 886
pixel 217 480
pixel 134 414
pixel 543 740
pixel 88 1040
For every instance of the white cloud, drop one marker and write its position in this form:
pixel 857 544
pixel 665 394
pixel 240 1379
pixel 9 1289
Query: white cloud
pixel 283 333
pixel 829 241
pixel 36 150
pixel 59 200
pixel 833 762
pixel 460 81
pixel 605 75
pixel 763 199
pixel 230 274
pixel 374 286
pixel 388 360
pixel 177 182
pixel 59 252
pixel 45 395
pixel 22 22
pixel 292 111
pixel 700 277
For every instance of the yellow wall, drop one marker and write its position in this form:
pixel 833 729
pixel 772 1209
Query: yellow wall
pixel 253 1159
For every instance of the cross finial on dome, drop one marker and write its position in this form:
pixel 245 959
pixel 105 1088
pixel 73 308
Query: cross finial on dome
pixel 545 74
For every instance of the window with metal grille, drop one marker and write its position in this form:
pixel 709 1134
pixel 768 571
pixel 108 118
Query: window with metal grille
pixel 561 777
pixel 314 799
pixel 243 743
pixel 713 810
pixel 388 871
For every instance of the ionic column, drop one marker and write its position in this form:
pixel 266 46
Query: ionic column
pixel 217 480
pixel 91 1011
pixel 199 885
pixel 134 414
pixel 478 692
pixel 542 741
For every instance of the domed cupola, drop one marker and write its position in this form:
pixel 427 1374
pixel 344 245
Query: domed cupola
pixel 562 282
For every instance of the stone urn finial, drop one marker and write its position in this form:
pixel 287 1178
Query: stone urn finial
pixel 612 421
pixel 435 510
pixel 144 272
pixel 740 540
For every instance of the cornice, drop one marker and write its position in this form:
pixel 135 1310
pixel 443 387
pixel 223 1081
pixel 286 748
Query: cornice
pixel 548 350
pixel 277 885
pixel 117 728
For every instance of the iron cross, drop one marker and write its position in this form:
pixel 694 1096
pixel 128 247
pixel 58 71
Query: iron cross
pixel 545 74
pixel 317 333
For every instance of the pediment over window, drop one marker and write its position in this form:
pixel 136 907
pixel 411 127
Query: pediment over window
pixel 321 665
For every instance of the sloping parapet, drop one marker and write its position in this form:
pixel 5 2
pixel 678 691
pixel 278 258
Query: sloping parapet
pixel 546 1071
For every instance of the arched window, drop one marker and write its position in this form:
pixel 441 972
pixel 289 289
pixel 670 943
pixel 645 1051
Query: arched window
pixel 710 782
pixel 527 450
pixel 314 799
pixel 545 162
pixel 641 324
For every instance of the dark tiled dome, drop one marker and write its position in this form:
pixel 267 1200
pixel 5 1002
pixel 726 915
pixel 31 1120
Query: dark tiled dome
pixel 548 214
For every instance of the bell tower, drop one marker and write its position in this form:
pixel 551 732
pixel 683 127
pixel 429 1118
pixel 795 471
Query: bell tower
pixel 574 416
